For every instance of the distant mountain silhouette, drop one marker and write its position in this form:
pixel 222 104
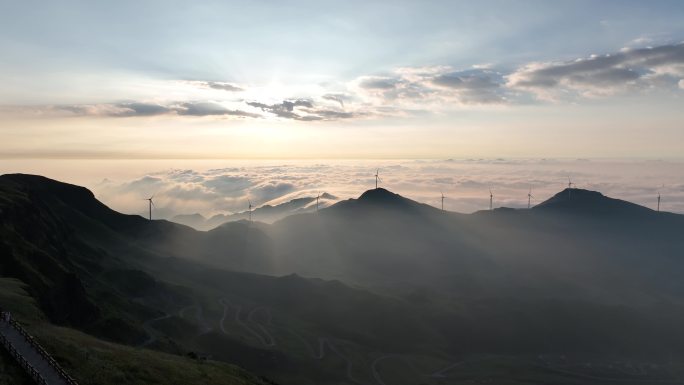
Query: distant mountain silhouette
pixel 266 213
pixel 572 276
pixel 380 199
pixel 193 220
pixel 383 197
pixel 591 202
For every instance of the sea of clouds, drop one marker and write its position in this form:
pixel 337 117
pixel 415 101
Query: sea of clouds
pixel 227 186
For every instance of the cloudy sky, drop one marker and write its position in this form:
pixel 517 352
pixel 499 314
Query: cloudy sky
pixel 354 79
pixel 211 103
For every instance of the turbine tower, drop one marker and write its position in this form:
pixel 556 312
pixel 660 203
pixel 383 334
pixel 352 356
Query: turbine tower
pixel 377 177
pixel 491 199
pixel 570 184
pixel 442 200
pixel 150 205
pixel 250 209
pixel 317 198
pixel 658 201
pixel 529 198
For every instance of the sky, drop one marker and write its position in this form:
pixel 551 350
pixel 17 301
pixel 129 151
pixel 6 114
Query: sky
pixel 287 97
pixel 357 79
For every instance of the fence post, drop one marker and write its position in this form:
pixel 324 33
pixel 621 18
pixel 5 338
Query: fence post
pixel 33 373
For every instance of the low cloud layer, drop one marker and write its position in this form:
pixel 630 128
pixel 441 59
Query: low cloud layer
pixel 465 183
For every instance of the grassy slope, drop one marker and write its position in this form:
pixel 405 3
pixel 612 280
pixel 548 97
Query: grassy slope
pixel 10 372
pixel 93 361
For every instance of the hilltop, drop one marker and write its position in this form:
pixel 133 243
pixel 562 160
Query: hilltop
pixel 591 202
pixel 392 276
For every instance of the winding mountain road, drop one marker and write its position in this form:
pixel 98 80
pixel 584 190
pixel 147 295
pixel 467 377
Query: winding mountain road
pixel 199 316
pixel 267 334
pixel 147 326
pixel 374 368
pixel 267 341
pixel 322 343
pixel 441 373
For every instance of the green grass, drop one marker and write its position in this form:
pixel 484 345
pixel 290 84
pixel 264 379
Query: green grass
pixel 10 372
pixel 13 297
pixel 93 361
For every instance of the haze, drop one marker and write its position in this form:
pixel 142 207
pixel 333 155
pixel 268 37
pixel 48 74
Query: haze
pixel 437 79
pixel 263 192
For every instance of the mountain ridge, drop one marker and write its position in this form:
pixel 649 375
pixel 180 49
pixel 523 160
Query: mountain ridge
pixel 588 201
pixel 265 213
pixel 391 275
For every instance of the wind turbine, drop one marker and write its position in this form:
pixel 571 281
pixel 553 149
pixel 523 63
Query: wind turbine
pixel 377 177
pixel 658 201
pixel 151 204
pixel 491 199
pixel 317 197
pixel 250 209
pixel 570 184
pixel 529 197
pixel 442 200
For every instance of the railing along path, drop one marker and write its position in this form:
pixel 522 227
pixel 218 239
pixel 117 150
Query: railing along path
pixel 37 362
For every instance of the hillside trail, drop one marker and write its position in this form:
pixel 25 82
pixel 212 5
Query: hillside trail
pixel 29 352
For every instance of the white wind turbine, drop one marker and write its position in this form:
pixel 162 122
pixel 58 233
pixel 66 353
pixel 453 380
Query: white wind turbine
pixel 529 198
pixel 491 199
pixel 570 187
pixel 151 204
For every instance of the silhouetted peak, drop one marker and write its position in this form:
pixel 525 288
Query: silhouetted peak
pixel 49 194
pixel 40 187
pixel 589 201
pixel 195 216
pixel 378 193
pixel 579 195
pixel 381 196
pixel 38 183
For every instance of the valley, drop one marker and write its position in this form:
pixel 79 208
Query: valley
pixel 374 290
